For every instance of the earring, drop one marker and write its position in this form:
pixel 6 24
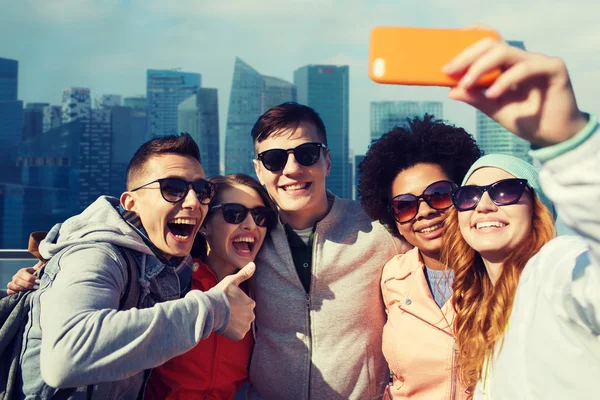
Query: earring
pixel 203 233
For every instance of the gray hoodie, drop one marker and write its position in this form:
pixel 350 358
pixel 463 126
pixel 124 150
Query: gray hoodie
pixel 87 340
pixel 325 344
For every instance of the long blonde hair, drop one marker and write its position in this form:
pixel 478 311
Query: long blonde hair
pixel 483 309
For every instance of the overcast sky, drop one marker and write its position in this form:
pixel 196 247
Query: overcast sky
pixel 108 45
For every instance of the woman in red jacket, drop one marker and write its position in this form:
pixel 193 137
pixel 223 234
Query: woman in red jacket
pixel 238 220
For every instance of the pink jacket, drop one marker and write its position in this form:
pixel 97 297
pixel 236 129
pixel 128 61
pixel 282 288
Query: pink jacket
pixel 418 342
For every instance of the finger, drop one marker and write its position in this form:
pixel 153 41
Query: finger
pixel 24 284
pixel 244 274
pixel 14 287
pixel 465 58
pixel 497 57
pixel 38 265
pixel 474 97
pixel 26 274
pixel 519 73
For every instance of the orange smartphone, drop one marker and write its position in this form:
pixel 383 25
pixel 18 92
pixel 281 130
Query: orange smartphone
pixel 415 56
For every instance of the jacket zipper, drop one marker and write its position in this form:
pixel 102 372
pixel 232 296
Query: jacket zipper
pixel 454 354
pixel 309 343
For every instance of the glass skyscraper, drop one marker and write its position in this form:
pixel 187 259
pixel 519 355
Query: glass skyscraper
pixel 385 115
pixel 9 75
pixel 165 89
pixel 251 95
pixel 11 118
pixel 199 116
pixel 128 133
pixel 493 138
pixel 325 89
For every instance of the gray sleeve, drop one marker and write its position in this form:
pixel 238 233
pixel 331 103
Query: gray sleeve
pixel 87 340
pixel 572 182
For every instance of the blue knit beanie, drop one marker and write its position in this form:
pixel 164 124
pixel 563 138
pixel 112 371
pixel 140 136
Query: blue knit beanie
pixel 516 167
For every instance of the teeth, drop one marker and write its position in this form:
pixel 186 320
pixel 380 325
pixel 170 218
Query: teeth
pixel 183 221
pixel 430 229
pixel 297 186
pixel 181 237
pixel 244 239
pixel 489 224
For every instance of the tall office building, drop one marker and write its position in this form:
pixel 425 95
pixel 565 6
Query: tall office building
pixel 52 117
pixel 387 114
pixel 107 101
pixel 493 138
pixel 11 118
pixel 129 130
pixel 33 120
pixel 325 89
pixel 48 191
pixel 251 95
pixel 198 115
pixel 9 75
pixel 135 102
pixel 165 89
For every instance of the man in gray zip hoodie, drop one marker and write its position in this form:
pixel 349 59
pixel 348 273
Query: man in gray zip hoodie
pixel 319 315
pixel 89 335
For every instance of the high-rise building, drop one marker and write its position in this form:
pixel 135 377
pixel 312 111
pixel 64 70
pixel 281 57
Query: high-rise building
pixel 493 138
pixel 251 95
pixel 325 89
pixel 11 118
pixel 48 191
pixel 135 102
pixel 129 132
pixel 52 117
pixel 107 101
pixel 33 120
pixel 9 76
pixel 385 115
pixel 199 116
pixel 165 90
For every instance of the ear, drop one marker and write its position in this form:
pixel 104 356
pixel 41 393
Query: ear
pixel 128 200
pixel 328 162
pixel 258 170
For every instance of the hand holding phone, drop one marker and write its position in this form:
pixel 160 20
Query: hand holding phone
pixel 415 56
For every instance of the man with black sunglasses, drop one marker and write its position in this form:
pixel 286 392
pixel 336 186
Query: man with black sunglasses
pixel 319 313
pixel 109 303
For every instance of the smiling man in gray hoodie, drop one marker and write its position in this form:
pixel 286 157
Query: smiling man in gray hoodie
pixel 115 309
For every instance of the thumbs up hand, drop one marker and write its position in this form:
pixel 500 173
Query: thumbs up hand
pixel 241 306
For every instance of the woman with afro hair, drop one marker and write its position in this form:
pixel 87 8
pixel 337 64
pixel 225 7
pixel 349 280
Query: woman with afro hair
pixel 406 182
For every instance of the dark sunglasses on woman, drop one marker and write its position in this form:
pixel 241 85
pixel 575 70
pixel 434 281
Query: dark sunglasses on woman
pixel 306 154
pixel 234 213
pixel 503 193
pixel 174 190
pixel 438 195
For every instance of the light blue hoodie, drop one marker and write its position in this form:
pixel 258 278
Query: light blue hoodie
pixel 86 339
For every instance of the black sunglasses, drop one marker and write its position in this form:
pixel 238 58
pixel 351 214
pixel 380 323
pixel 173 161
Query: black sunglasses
pixel 438 195
pixel 174 190
pixel 306 154
pixel 234 213
pixel 502 193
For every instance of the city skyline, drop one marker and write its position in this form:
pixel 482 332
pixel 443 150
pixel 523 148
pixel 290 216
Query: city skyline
pixel 117 41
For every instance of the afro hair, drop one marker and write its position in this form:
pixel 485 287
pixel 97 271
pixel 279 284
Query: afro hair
pixel 422 141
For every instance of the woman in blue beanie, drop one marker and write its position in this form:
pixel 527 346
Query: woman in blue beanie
pixel 527 304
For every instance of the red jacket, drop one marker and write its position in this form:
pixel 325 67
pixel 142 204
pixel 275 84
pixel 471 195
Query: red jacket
pixel 215 369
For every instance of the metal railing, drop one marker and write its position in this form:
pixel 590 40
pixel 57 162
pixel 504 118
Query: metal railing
pixel 12 260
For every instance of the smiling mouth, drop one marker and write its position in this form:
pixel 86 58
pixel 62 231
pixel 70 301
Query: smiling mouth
pixel 182 228
pixel 296 186
pixel 244 245
pixel 490 224
pixel 431 228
